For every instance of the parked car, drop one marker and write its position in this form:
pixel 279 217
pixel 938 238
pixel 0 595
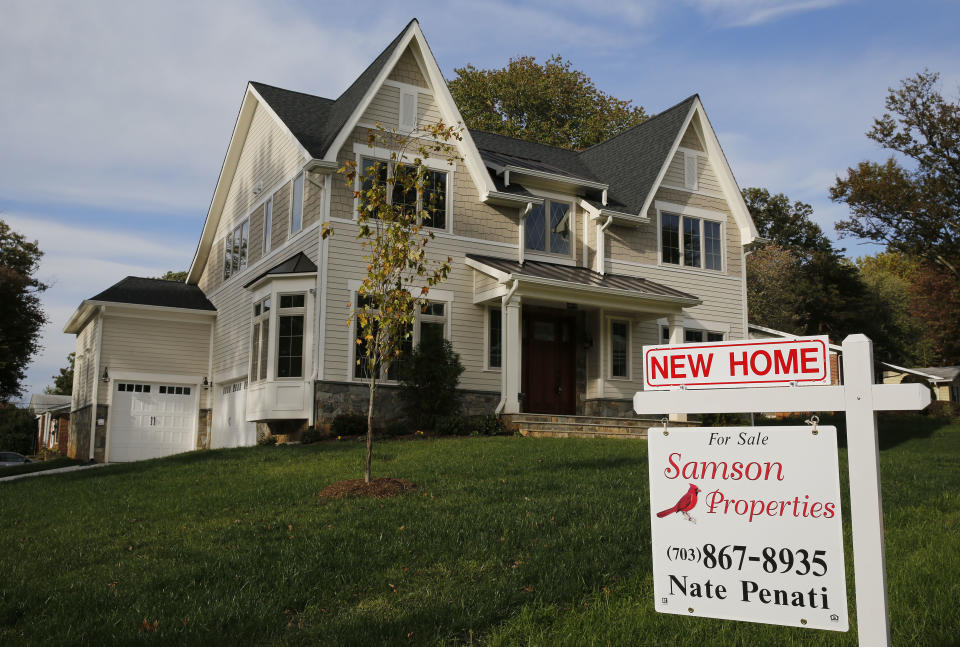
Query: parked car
pixel 9 459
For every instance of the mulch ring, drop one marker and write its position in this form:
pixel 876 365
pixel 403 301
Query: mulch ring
pixel 380 488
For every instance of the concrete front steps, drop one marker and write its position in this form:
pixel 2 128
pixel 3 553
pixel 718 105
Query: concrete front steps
pixel 542 425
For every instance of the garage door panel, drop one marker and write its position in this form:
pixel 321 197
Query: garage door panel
pixel 151 420
pixel 230 426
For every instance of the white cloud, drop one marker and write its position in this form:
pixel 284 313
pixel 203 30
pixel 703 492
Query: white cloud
pixel 746 13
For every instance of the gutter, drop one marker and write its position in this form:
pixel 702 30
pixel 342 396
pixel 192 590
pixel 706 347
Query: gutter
pixel 521 232
pixel 503 337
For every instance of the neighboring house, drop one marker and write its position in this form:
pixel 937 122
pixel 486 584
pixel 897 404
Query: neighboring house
pixel 53 420
pixel 836 351
pixel 564 265
pixel 944 381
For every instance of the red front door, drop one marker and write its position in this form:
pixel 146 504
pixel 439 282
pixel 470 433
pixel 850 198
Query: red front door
pixel 549 363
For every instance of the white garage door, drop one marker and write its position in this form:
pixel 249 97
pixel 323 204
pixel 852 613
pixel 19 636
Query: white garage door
pixel 230 426
pixel 151 420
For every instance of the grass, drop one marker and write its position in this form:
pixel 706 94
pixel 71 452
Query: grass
pixel 39 466
pixel 508 541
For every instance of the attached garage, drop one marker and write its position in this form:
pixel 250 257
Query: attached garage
pixel 150 420
pixel 230 426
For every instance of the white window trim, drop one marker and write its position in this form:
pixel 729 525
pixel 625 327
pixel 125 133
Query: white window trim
pixel 273 288
pixel 303 198
pixel 267 218
pixel 304 351
pixel 691 212
pixel 610 320
pixel 385 159
pixel 254 376
pixel 487 309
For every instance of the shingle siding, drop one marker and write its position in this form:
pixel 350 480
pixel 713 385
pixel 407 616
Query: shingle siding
pixel 407 71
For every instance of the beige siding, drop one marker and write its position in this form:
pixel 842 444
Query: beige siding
pixel 269 156
pixel 466 320
pixel 474 219
pixel 407 71
pixel 427 110
pixel 313 198
pixel 675 174
pixel 86 354
pixel 384 109
pixel 255 246
pixel 212 275
pixel 281 216
pixel 233 302
pixel 690 139
pixel 706 178
pixel 154 346
pixel 483 282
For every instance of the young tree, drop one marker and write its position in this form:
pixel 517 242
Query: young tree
pixel 22 317
pixel 551 103
pixel 913 209
pixel 397 200
pixel 63 383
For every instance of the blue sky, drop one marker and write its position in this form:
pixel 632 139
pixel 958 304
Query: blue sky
pixel 116 115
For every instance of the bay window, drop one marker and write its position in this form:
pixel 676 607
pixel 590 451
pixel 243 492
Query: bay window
pixel 690 241
pixel 260 343
pixel 290 335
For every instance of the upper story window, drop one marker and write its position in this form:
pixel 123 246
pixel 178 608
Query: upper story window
pixel 430 197
pixel 296 205
pixel 235 250
pixel 547 228
pixel 267 224
pixel 690 241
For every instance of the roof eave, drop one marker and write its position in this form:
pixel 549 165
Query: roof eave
pixel 555 177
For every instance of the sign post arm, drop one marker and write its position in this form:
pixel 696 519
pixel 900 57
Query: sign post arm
pixel 866 509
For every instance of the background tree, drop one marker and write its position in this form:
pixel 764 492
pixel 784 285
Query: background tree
pixel 22 315
pixel 788 225
pixel 170 275
pixel 935 304
pixel 772 272
pixel 63 383
pixel 913 209
pixel 551 103
pixel 395 201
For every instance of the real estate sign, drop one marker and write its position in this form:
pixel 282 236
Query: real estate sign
pixel 746 524
pixel 735 364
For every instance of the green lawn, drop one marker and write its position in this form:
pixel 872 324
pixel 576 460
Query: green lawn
pixel 508 541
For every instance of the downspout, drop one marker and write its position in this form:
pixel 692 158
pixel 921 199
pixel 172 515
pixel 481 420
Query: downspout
pixel 602 246
pixel 95 396
pixel 523 218
pixel 503 345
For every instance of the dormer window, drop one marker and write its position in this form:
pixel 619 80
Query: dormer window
pixel 547 228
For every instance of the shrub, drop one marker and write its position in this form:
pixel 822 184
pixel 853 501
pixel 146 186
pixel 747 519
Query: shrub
pixel 18 429
pixel 311 435
pixel 397 427
pixel 428 379
pixel 486 425
pixel 349 424
pixel 943 409
pixel 453 425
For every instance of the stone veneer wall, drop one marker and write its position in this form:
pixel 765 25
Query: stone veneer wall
pixel 609 408
pixel 100 434
pixel 332 399
pixel 79 444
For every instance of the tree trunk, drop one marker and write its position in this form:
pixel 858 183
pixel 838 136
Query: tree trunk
pixel 366 469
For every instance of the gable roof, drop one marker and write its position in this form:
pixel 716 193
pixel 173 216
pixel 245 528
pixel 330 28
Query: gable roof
pixel 935 374
pixel 296 264
pixel 43 402
pixel 156 292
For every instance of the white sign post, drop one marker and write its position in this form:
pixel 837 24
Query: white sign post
pixel 860 398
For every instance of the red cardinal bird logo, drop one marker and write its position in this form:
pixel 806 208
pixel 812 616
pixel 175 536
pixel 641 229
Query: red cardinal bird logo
pixel 684 505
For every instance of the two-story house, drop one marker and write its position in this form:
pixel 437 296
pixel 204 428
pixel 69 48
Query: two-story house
pixel 564 265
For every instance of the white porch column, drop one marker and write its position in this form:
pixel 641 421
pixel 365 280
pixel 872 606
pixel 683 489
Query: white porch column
pixel 511 355
pixel 675 321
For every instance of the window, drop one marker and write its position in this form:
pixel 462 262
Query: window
pixel 430 323
pixel 700 245
pixel 690 170
pixel 296 206
pixel 619 348
pixel 431 197
pixel 235 250
pixel 259 344
pixel 495 339
pixel 290 336
pixel 547 228
pixel 691 335
pixel 267 224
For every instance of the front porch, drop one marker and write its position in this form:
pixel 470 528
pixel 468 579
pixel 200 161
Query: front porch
pixel 570 341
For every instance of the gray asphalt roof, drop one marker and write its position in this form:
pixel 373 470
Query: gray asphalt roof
pixel 296 264
pixel 580 276
pixel 155 292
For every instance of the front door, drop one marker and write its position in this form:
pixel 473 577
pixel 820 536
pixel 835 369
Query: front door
pixel 549 363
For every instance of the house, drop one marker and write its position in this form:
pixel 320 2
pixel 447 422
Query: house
pixel 53 420
pixel 944 381
pixel 564 265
